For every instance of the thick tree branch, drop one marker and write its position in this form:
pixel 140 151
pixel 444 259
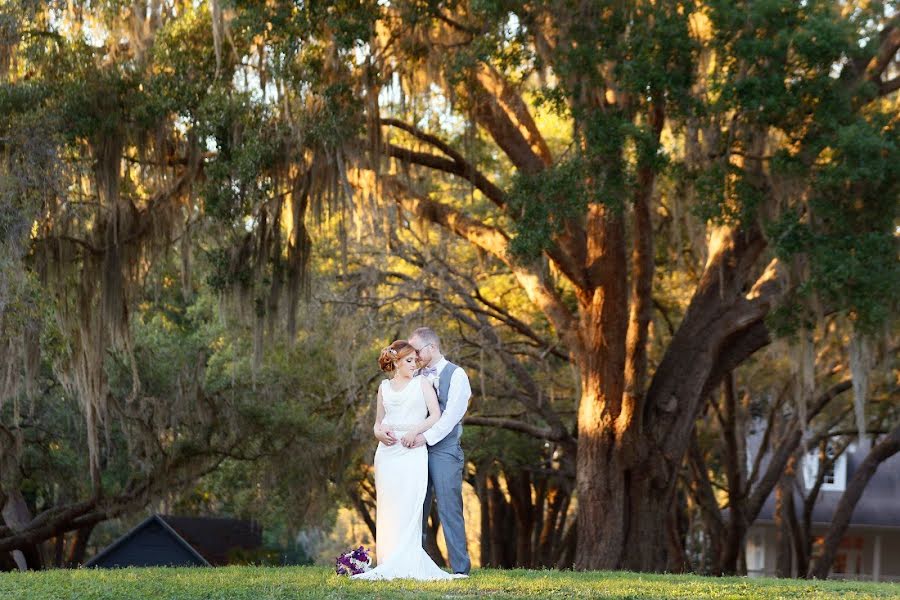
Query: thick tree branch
pixel 44 526
pixel 887 48
pixel 428 138
pixel 462 169
pixel 544 433
pixel 499 108
pixel 720 313
pixel 641 310
pixel 702 488
pixel 793 436
pixel 889 87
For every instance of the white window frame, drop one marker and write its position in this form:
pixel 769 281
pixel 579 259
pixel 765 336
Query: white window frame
pixel 811 469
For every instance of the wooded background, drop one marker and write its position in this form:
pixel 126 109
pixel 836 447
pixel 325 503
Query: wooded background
pixel 645 228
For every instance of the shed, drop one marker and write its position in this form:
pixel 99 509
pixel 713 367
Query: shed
pixel 165 540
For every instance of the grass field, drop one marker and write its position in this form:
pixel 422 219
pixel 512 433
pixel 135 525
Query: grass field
pixel 257 583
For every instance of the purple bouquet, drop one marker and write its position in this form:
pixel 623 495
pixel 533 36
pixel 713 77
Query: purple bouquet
pixel 353 562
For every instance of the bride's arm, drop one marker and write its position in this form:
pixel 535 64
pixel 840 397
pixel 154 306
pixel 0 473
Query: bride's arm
pixel 384 436
pixel 434 413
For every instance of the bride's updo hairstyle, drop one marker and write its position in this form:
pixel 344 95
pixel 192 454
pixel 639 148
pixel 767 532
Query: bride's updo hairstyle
pixel 398 350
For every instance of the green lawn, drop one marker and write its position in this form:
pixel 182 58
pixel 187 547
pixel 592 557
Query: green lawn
pixel 257 583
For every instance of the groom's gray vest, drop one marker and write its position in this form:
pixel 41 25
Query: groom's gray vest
pixel 443 392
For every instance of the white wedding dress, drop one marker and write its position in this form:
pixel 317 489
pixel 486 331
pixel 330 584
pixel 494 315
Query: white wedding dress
pixel 401 478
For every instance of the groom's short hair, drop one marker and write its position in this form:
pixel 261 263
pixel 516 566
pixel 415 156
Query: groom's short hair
pixel 427 335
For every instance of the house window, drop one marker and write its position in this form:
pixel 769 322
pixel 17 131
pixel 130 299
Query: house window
pixel 835 478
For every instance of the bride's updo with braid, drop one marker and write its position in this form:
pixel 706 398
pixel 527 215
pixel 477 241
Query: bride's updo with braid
pixel 398 350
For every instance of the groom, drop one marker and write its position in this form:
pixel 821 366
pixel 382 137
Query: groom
pixel 445 455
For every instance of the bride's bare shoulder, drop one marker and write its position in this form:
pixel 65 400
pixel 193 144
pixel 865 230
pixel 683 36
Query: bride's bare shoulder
pixel 425 384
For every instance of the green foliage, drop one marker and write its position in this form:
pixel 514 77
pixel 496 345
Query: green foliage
pixel 180 76
pixel 779 59
pixel 786 69
pixel 847 231
pixel 510 450
pixel 543 203
pixel 247 145
pixel 648 44
pixel 603 172
pixel 221 277
pixel 652 55
pixel 726 195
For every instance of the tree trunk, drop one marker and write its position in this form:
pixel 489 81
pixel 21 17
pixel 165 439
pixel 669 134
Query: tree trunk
pixel 647 543
pixel 363 510
pixel 17 516
pixel 736 532
pixel 566 558
pixel 59 545
pixel 784 508
pixel 601 468
pixel 523 512
pixel 711 516
pixel 882 451
pixel 677 532
pixel 79 546
pixel 545 549
pixel 481 489
pixel 629 454
pixel 502 526
pixel 731 435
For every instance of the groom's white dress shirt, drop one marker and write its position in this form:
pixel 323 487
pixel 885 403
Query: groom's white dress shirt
pixel 457 403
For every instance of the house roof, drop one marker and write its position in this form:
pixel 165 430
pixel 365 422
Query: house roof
pixel 879 505
pixel 136 530
pixel 208 539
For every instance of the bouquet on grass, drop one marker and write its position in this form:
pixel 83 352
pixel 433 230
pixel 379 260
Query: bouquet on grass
pixel 353 562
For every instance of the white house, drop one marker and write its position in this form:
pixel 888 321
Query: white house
pixel 870 549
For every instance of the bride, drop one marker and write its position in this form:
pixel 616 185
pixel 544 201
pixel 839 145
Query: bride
pixel 407 406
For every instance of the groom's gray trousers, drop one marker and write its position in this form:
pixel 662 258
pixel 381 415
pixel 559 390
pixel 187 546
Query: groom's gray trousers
pixel 445 468
pixel 445 474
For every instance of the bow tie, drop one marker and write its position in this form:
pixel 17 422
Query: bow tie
pixel 429 371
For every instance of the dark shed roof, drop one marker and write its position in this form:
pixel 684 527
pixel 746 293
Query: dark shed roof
pixel 151 543
pixel 164 540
